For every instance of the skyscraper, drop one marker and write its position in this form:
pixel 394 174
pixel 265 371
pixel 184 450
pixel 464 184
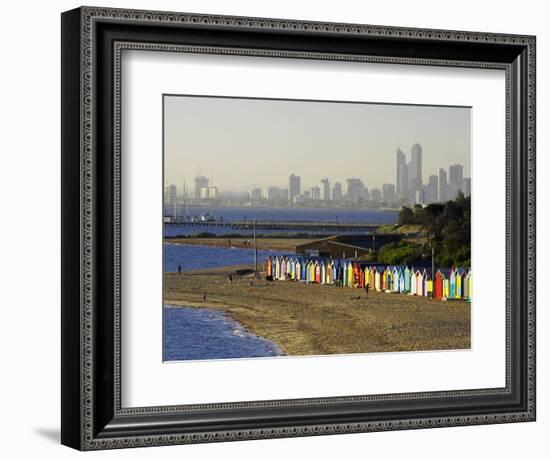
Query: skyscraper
pixel 415 169
pixel 316 193
pixel 325 189
pixel 375 195
pixel 212 192
pixel 255 194
pixel 275 193
pixel 455 180
pixel 419 197
pixel 170 200
pixel 200 182
pixel 467 186
pixel 442 185
pixel 400 160
pixel 356 189
pixel 293 187
pixel 431 189
pixel 388 192
pixel 404 182
pixel 337 192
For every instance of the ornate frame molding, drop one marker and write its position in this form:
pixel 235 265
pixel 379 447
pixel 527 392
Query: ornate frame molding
pixel 89 434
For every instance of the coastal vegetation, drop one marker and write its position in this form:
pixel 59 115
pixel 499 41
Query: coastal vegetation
pixel 398 253
pixel 445 227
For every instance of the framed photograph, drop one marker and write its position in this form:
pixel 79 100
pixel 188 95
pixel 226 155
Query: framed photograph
pixel 276 228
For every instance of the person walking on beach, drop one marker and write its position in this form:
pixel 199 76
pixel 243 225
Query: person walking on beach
pixel 367 287
pixel 204 297
pixel 230 279
pixel 179 269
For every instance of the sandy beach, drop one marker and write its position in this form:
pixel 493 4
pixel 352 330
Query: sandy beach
pixel 313 319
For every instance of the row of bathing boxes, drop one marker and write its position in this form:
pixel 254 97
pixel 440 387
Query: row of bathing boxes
pixel 447 284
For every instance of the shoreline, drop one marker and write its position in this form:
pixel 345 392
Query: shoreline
pixel 312 319
pixel 235 324
pixel 264 244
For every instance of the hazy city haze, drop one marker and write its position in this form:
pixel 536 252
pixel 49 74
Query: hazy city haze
pixel 244 143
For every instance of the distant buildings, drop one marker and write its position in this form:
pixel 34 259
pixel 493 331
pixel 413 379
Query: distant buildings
pixel 388 192
pixel 410 187
pixel 442 197
pixel 276 194
pixel 431 191
pixel 337 192
pixel 212 192
pixel 325 189
pixel 316 193
pixel 403 182
pixel 256 194
pixel 293 187
pixel 375 195
pixel 407 189
pixel 455 180
pixel 415 169
pixel 200 184
pixel 419 197
pixel 356 190
pixel 171 200
pixel 467 186
pixel 400 161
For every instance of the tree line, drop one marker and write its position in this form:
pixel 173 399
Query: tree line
pixel 448 230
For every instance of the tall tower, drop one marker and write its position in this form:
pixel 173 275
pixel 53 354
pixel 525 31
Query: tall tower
pixel 415 168
pixel 455 180
pixel 466 186
pixel 404 191
pixel 442 185
pixel 337 192
pixel 171 200
pixel 325 189
pixel 293 187
pixel 200 183
pixel 432 189
pixel 399 161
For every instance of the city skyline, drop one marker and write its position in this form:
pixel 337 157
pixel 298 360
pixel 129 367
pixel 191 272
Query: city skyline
pixel 409 188
pixel 241 144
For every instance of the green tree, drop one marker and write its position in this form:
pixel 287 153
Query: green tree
pixel 406 216
pixel 448 227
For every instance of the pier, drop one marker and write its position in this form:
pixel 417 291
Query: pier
pixel 282 225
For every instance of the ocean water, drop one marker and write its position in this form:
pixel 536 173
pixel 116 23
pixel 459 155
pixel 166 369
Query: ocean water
pixel 201 333
pixel 278 214
pixel 193 257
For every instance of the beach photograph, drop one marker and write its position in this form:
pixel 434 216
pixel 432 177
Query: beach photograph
pixel 310 228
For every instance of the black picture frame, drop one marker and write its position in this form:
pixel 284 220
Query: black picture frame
pixel 92 416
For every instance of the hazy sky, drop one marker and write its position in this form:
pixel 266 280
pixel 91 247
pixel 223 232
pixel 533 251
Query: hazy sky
pixel 241 143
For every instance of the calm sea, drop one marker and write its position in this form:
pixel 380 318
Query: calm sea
pixel 279 214
pixel 196 333
pixel 193 257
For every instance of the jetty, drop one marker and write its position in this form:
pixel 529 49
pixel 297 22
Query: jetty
pixel 337 226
